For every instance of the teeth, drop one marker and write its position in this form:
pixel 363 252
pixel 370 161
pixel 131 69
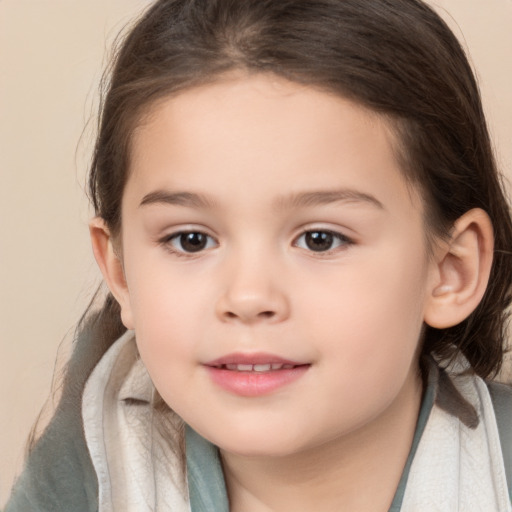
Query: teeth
pixel 244 367
pixel 257 367
pixel 262 367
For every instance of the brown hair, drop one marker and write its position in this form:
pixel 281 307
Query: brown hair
pixel 395 57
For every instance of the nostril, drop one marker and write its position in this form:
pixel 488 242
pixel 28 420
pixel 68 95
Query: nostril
pixel 262 314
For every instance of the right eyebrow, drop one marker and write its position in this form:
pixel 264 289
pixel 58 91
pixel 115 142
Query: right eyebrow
pixel 324 197
pixel 189 199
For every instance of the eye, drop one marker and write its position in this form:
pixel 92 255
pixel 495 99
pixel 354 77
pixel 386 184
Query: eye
pixel 321 240
pixel 190 241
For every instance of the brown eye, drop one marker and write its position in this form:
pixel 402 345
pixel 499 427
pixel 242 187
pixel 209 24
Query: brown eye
pixel 191 241
pixel 321 240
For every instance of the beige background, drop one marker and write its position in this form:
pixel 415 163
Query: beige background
pixel 51 56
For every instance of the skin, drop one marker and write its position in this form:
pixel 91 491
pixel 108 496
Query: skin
pixel 354 313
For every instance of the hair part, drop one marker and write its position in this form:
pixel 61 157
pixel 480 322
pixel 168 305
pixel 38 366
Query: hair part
pixel 394 57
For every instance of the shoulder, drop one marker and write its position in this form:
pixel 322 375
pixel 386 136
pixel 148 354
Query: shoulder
pixel 58 474
pixel 501 396
pixel 472 400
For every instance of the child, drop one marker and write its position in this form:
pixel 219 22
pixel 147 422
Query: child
pixel 307 247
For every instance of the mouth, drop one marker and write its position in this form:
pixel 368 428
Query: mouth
pixel 251 375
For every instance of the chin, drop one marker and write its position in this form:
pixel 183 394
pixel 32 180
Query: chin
pixel 259 444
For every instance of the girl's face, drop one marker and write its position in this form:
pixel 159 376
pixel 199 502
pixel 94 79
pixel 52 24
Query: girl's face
pixel 275 262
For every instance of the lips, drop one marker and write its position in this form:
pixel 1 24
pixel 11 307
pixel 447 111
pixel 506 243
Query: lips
pixel 253 375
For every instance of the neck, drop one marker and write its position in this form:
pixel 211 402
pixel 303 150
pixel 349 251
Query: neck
pixel 356 472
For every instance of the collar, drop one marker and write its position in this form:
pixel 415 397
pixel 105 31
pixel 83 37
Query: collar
pixel 136 462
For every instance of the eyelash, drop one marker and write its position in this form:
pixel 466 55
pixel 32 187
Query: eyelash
pixel 343 241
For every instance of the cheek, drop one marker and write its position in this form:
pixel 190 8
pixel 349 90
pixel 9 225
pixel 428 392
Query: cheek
pixel 369 336
pixel 166 310
pixel 166 336
pixel 370 314
pixel 166 320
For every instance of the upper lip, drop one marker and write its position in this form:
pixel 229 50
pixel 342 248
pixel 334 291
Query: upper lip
pixel 256 358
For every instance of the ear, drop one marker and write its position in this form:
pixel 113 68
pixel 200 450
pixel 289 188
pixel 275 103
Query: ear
pixel 462 269
pixel 111 267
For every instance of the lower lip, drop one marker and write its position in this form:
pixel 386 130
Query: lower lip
pixel 255 383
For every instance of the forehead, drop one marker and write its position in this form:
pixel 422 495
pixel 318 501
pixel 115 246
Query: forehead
pixel 263 134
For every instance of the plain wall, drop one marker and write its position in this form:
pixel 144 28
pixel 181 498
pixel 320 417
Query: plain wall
pixel 51 56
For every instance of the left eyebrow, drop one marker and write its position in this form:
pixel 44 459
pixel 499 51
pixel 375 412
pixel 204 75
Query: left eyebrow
pixel 189 199
pixel 325 197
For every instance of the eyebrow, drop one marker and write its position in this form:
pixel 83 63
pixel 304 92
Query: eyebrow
pixel 324 197
pixel 296 200
pixel 189 199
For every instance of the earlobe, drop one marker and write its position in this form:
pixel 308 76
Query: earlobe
pixel 111 267
pixel 462 269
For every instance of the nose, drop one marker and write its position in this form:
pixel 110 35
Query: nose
pixel 252 293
